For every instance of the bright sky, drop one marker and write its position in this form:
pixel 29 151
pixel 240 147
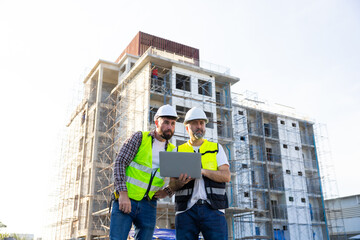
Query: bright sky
pixel 305 54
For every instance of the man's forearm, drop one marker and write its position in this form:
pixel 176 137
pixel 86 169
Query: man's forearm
pixel 221 175
pixel 119 177
pixel 124 158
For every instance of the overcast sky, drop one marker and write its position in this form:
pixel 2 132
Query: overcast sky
pixel 304 54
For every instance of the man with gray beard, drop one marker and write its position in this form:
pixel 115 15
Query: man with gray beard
pixel 200 203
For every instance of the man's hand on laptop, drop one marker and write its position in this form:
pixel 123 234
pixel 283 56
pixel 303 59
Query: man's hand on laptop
pixel 177 183
pixel 184 178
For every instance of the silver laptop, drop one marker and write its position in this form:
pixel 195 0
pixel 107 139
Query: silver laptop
pixel 172 164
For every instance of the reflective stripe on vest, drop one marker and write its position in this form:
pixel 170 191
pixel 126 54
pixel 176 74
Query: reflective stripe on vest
pixel 138 173
pixel 141 184
pixel 218 191
pixel 184 192
pixel 144 168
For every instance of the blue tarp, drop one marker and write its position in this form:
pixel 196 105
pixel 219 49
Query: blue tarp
pixel 161 233
pixel 165 234
pixel 279 235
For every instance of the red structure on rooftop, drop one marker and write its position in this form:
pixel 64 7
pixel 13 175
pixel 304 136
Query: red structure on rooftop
pixel 142 41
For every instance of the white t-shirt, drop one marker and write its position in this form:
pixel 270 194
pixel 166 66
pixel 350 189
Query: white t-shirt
pixel 156 148
pixel 199 185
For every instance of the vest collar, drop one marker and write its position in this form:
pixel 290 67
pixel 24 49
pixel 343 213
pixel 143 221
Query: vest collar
pixel 202 145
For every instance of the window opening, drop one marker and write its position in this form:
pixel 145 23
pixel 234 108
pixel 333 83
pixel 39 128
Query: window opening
pixel 182 82
pixel 255 203
pixel 269 155
pixel 210 124
pixel 275 209
pixel 204 88
pixel 271 180
pixel 218 97
pixel 267 129
pixel 152 112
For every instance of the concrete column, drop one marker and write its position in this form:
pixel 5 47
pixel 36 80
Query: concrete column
pixel 95 150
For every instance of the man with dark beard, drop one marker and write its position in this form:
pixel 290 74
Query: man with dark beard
pixel 137 180
pixel 200 203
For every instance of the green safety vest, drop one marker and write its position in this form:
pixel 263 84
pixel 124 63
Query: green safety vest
pixel 138 173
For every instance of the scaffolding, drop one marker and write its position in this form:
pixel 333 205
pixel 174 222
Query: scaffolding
pixel 67 210
pixel 282 179
pixel 333 209
pixel 276 156
pixel 275 187
pixel 120 100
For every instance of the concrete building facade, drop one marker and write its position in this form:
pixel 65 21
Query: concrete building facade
pixel 276 156
pixel 275 189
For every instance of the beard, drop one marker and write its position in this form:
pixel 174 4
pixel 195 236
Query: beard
pixel 199 134
pixel 167 134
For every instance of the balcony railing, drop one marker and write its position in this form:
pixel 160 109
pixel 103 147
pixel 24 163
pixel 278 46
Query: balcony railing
pixel 190 61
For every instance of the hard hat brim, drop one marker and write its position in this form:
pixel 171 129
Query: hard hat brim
pixel 167 116
pixel 187 121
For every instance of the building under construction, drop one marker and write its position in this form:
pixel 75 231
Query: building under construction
pixel 276 187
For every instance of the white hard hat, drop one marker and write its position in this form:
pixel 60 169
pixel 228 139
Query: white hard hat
pixel 166 111
pixel 194 114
